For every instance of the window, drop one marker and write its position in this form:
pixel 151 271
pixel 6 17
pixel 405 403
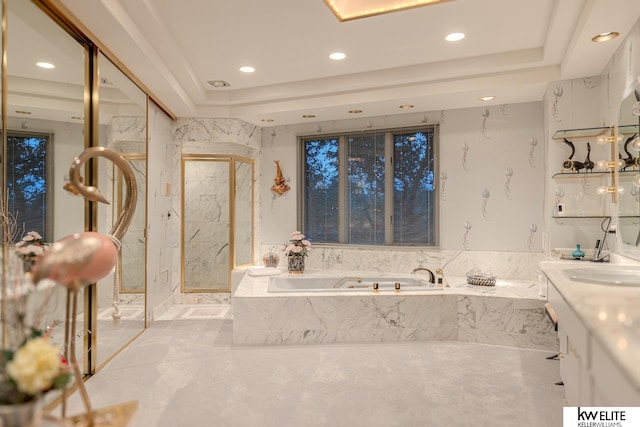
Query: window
pixel 27 171
pixel 371 188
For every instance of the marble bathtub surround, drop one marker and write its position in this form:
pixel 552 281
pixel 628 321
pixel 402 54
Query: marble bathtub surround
pixel 504 265
pixel 510 313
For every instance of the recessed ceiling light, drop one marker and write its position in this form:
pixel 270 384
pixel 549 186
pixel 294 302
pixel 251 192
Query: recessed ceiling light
pixel 266 120
pixel 406 106
pixel 605 37
pixel 454 37
pixel 45 65
pixel 23 112
pixel 308 116
pixel 247 69
pixel 218 83
pixel 337 56
pixel 355 111
pixel 486 98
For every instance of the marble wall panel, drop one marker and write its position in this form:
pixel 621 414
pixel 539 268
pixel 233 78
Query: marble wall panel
pixel 437 311
pixel 163 215
pixel 531 318
pixel 211 131
pixel 128 128
pixel 505 265
pixel 494 314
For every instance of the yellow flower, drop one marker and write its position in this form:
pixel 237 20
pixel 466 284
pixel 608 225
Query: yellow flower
pixel 35 366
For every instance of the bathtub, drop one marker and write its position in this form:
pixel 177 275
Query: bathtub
pixel 290 284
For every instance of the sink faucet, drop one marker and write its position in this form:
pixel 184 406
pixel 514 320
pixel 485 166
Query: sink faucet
pixel 432 278
pixel 347 279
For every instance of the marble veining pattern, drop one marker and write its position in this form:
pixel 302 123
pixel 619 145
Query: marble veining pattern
pixel 216 130
pixel 512 315
pixel 128 128
pixel 505 265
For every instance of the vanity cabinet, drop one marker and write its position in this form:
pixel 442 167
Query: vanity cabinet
pixel 573 351
pixel 591 363
pixel 611 387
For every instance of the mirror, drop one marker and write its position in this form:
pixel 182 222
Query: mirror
pixel 47 106
pixel 629 205
pixel 44 132
pixel 122 128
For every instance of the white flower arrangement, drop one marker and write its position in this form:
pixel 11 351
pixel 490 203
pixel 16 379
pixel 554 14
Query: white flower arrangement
pixel 31 246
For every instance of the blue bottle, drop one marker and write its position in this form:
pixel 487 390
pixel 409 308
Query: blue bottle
pixel 578 253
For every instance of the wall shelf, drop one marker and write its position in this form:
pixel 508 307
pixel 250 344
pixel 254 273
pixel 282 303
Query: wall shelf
pixel 595 216
pixel 592 175
pixel 593 132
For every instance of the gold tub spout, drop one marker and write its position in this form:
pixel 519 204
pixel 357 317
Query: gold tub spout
pixel 345 280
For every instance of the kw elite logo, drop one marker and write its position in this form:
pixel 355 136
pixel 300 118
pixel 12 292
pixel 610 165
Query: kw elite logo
pixel 601 417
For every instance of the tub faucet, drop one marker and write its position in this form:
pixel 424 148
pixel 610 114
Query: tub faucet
pixel 347 279
pixel 432 278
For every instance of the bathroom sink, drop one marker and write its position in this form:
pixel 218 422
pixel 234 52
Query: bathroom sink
pixel 606 276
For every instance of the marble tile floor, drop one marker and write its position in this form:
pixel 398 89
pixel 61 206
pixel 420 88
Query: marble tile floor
pixel 186 372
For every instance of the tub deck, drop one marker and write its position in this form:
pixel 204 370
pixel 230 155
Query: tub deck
pixel 511 313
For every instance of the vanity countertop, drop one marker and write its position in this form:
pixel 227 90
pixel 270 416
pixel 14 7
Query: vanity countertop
pixel 610 313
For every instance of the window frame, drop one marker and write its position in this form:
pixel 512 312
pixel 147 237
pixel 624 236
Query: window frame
pixel 342 138
pixel 49 178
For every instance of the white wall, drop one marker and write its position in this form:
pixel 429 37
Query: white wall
pixel 477 148
pixel 516 233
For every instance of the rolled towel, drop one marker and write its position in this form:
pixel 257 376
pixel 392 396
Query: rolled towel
pixel 263 271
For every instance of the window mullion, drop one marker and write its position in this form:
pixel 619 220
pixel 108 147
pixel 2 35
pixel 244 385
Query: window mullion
pixel 388 188
pixel 343 183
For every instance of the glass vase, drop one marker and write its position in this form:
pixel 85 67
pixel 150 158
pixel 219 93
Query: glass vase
pixel 296 264
pixel 270 259
pixel 28 414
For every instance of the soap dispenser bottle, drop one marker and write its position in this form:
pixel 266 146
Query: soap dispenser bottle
pixel 578 253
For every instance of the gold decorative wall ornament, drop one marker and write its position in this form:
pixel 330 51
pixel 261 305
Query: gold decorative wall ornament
pixel 280 185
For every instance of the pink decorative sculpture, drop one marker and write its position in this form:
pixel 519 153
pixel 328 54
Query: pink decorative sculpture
pixel 80 259
pixel 84 258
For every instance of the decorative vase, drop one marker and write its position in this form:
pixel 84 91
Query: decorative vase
pixel 270 259
pixel 27 264
pixel 578 253
pixel 296 264
pixel 27 414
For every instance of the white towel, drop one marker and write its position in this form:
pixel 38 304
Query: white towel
pixel 263 271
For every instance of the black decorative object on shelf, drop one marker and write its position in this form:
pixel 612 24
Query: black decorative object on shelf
pixel 573 164
pixel 588 163
pixel 629 160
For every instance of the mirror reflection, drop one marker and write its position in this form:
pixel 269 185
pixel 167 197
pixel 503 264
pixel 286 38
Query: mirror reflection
pixel 629 177
pixel 122 128
pixel 44 132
